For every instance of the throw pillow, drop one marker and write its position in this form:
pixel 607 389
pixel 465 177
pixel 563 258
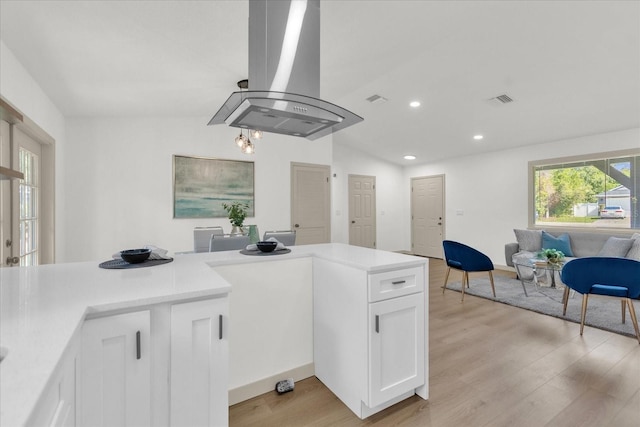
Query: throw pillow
pixel 561 243
pixel 634 252
pixel 529 240
pixel 616 247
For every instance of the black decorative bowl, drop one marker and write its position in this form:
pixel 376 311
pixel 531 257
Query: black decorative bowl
pixel 267 246
pixel 135 256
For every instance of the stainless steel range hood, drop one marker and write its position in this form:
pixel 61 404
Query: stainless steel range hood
pixel 284 75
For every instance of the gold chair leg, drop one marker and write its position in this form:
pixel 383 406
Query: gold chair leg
pixel 585 300
pixel 623 309
pixel 446 277
pixel 632 313
pixel 565 300
pixel 465 278
pixel 493 288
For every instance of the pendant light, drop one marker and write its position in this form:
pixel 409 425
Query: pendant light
pixel 248 148
pixel 243 142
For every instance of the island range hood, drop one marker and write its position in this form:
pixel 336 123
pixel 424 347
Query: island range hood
pixel 284 75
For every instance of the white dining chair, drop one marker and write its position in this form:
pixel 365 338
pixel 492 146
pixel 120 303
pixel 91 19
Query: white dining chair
pixel 286 237
pixel 202 236
pixel 227 242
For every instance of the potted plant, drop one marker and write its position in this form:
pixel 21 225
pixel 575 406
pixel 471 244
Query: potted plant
pixel 237 212
pixel 553 256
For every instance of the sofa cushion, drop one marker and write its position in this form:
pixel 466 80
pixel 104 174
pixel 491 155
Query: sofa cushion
pixel 561 243
pixel 615 247
pixel 529 240
pixel 634 251
pixel 589 243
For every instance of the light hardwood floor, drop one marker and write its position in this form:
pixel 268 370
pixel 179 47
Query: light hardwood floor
pixel 490 365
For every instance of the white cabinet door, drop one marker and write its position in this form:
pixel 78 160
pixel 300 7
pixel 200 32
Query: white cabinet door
pixel 396 352
pixel 116 371
pixel 199 363
pixel 56 406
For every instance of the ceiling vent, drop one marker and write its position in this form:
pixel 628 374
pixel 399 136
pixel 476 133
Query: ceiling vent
pixel 501 99
pixel 376 99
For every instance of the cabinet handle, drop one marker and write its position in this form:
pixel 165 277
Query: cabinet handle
pixel 138 350
pixel 399 282
pixel 377 324
pixel 220 327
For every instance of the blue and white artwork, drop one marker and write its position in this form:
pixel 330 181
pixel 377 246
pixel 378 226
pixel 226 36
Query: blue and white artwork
pixel 202 185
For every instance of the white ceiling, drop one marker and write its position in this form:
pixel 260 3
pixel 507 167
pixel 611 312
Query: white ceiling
pixel 572 67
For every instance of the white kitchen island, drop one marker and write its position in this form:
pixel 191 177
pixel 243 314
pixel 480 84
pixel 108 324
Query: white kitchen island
pixel 44 310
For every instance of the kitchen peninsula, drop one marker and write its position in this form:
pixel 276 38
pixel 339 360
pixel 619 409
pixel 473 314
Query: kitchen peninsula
pixel 47 312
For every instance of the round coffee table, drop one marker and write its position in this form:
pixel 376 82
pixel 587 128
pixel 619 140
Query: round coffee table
pixel 532 270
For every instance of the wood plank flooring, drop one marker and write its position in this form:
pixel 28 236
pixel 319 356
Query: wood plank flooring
pixel 490 365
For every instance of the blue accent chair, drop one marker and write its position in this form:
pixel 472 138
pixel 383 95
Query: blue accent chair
pixel 468 260
pixel 612 277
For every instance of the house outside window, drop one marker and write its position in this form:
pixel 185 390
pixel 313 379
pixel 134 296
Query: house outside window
pixel 595 191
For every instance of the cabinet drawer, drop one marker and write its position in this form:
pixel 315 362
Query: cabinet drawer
pixel 395 283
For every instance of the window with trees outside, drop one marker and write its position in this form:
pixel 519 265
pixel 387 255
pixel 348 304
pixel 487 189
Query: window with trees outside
pixel 600 191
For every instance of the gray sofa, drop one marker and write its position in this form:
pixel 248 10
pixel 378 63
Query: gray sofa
pixel 583 244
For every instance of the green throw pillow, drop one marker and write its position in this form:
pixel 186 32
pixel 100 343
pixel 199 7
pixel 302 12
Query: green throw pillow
pixel 561 243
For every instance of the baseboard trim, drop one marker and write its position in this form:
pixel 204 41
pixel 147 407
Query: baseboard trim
pixel 248 391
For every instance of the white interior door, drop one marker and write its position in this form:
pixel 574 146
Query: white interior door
pixel 310 203
pixel 27 221
pixel 427 215
pixel 362 211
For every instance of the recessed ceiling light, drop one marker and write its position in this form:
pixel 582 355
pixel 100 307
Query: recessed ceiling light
pixel 414 104
pixel 409 157
pixel 478 137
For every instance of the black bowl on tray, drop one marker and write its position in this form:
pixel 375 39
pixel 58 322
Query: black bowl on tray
pixel 267 246
pixel 135 256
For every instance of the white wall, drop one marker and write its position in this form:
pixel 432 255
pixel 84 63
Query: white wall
pixel 119 181
pixel 491 189
pixel 19 88
pixel 391 210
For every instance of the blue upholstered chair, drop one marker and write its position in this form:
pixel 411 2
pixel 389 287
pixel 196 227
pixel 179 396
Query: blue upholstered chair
pixel 612 277
pixel 468 260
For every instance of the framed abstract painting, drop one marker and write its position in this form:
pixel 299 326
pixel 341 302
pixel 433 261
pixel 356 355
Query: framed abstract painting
pixel 201 185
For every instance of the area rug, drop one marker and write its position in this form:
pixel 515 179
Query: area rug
pixel 602 313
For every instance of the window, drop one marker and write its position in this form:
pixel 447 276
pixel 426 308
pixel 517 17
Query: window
pixel 29 206
pixel 598 191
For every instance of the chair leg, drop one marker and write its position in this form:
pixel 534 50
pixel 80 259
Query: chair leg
pixel 583 315
pixel 623 309
pixel 446 277
pixel 493 288
pixel 465 279
pixel 565 300
pixel 634 319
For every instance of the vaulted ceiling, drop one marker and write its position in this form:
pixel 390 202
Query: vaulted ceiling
pixel 572 68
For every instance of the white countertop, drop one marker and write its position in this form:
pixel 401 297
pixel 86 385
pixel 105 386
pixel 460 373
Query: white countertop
pixel 43 307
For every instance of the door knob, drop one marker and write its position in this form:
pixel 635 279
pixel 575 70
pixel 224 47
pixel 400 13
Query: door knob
pixel 13 260
pixel 353 222
pixel 296 225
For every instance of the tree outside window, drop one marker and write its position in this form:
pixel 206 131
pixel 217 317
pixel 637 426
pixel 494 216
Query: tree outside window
pixel 578 193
